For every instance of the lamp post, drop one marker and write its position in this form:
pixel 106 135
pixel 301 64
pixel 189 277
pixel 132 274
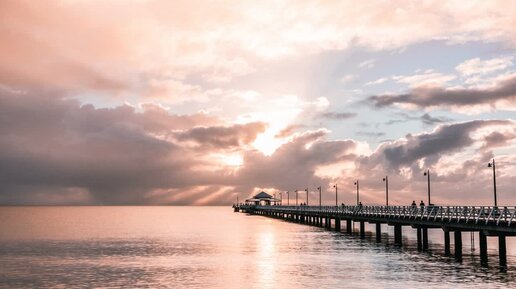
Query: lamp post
pixel 427 173
pixel 358 192
pixel 493 165
pixel 320 201
pixel 336 196
pixel 296 196
pixel 386 180
pixel 306 190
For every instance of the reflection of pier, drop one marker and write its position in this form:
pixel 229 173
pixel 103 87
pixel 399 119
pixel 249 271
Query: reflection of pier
pixel 487 221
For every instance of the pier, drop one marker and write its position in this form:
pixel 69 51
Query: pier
pixel 496 222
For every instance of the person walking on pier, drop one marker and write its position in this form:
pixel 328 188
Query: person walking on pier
pixel 413 205
pixel 422 205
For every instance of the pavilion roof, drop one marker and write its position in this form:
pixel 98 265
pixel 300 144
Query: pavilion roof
pixel 262 195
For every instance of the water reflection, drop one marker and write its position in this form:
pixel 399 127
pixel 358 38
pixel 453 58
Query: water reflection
pixel 183 247
pixel 266 259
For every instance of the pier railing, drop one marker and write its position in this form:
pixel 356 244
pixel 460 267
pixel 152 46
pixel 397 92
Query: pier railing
pixel 499 216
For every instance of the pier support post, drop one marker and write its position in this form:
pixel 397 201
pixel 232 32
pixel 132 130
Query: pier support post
pixel 328 223
pixel 397 235
pixel 446 242
pixel 458 245
pixel 378 233
pixel 502 252
pixel 362 230
pixel 337 224
pixel 349 228
pixel 482 240
pixel 425 238
pixel 419 241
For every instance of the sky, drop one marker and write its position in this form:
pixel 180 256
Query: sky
pixel 201 102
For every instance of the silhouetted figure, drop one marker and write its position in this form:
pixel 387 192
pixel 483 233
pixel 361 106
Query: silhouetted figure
pixel 422 204
pixel 360 205
pixel 414 204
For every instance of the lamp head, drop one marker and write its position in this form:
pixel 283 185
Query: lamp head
pixel 424 174
pixel 384 179
pixel 355 183
pixel 489 165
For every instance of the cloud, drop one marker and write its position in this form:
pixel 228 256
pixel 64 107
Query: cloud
pixel 430 120
pixel 58 45
pixel 426 97
pixel 367 63
pixel 52 147
pixel 426 119
pixel 370 134
pixel 378 81
pixel 347 78
pixel 57 151
pixel 455 153
pixel 498 139
pixel 293 165
pixel 223 136
pixel 185 54
pixel 427 78
pixel 476 66
pixel 338 115
pixel 429 146
pixel 289 130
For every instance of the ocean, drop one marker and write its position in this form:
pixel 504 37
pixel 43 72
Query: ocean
pixel 213 247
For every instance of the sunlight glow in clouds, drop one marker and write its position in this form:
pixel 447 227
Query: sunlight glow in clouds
pixel 235 97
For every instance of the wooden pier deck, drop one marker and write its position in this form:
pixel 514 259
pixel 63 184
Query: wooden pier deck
pixel 497 222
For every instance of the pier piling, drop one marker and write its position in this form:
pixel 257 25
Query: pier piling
pixel 425 238
pixel 349 226
pixel 502 251
pixel 482 239
pixel 419 241
pixel 447 242
pixel 397 235
pixel 458 244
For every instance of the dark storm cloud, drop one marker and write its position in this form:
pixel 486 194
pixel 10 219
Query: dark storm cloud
pixel 100 155
pixel 446 139
pixel 438 96
pixel 56 151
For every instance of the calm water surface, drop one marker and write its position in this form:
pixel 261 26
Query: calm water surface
pixel 212 247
